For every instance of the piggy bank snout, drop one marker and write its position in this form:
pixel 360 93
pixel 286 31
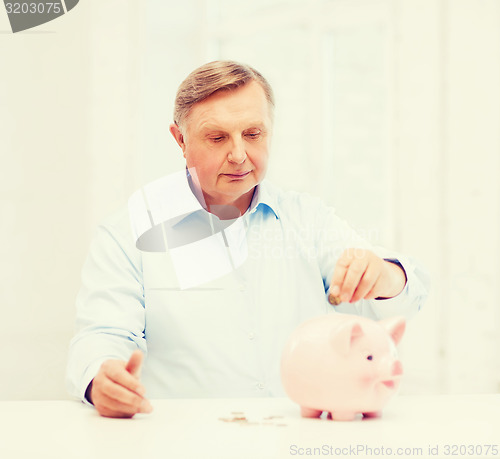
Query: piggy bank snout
pixel 392 376
pixel 391 370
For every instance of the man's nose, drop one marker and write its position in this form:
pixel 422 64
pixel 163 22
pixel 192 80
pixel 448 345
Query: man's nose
pixel 237 154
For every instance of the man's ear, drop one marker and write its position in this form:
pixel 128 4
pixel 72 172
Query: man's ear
pixel 179 138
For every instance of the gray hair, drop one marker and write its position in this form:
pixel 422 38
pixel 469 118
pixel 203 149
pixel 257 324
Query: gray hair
pixel 212 77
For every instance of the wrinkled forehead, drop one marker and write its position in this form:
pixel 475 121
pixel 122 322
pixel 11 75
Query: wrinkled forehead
pixel 246 104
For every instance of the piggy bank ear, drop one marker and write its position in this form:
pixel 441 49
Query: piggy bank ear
pixel 346 336
pixel 395 327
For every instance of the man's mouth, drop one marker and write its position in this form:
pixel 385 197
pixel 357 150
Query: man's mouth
pixel 238 175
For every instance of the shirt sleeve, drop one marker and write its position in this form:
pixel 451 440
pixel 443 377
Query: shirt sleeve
pixel 110 314
pixel 334 236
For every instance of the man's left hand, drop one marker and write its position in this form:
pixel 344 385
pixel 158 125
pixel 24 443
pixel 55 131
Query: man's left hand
pixel 360 274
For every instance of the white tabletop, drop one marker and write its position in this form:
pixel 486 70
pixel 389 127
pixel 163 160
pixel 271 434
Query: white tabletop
pixel 269 428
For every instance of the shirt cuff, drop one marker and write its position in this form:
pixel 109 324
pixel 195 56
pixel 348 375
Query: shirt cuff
pixel 396 262
pixel 89 375
pixel 401 304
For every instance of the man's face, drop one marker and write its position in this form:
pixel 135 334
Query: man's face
pixel 226 139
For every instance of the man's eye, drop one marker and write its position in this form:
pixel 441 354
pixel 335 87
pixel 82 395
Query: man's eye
pixel 217 139
pixel 253 135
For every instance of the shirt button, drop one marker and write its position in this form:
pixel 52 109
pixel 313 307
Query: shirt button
pixel 251 335
pixel 260 386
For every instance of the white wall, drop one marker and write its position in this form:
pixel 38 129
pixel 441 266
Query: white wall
pixel 447 144
pixel 43 142
pixel 69 97
pixel 389 109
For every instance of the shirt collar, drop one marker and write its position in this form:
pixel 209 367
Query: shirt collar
pixel 263 198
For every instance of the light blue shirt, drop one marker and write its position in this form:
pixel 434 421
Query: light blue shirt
pixel 212 319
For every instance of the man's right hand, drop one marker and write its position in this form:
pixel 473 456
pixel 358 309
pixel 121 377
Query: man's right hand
pixel 116 391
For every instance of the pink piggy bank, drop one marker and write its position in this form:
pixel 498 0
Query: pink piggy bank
pixel 343 364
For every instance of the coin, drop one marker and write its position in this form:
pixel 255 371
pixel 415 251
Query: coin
pixel 335 300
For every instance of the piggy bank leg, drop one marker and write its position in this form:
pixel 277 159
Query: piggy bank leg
pixel 310 412
pixel 372 414
pixel 343 415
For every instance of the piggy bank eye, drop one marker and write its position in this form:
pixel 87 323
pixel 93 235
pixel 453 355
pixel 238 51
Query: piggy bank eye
pixel 370 357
